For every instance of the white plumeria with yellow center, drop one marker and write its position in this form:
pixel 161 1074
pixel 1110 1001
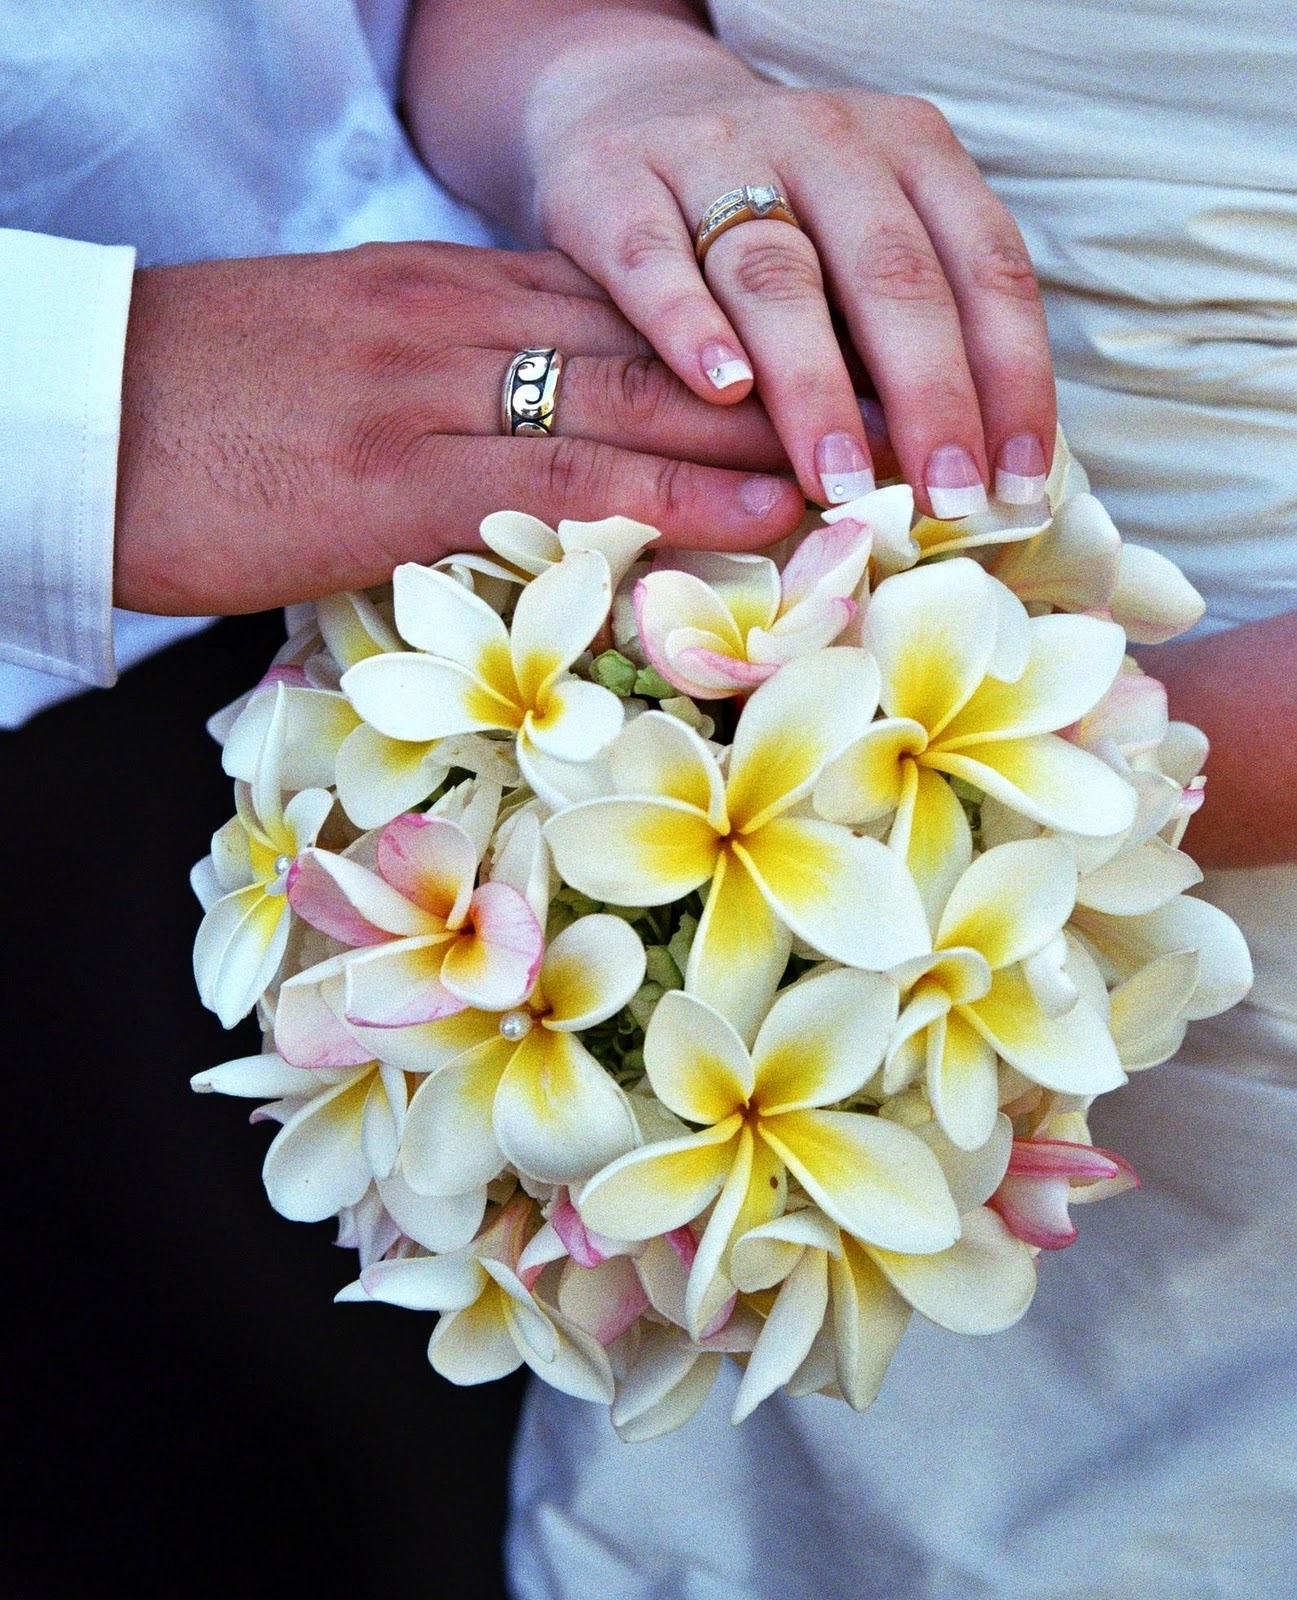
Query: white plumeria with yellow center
pixel 716 624
pixel 491 1321
pixel 992 988
pixel 760 1116
pixel 469 673
pixel 676 823
pixel 519 1086
pixel 242 884
pixel 974 689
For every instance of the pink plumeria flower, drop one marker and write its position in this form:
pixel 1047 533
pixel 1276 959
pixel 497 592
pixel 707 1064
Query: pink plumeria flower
pixel 716 624
pixel 430 940
pixel 1040 1183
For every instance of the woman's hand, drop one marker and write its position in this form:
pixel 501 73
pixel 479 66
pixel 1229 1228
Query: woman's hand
pixel 632 120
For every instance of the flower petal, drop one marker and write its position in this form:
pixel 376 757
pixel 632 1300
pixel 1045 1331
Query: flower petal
pixel 309 1031
pixel 558 1115
pixel 1073 1053
pixel 658 757
pixel 824 1038
pixel 877 1180
pixel 524 541
pixel 792 726
pixel 1011 901
pixel 660 1186
pixel 1047 779
pixel 650 851
pixel 982 1284
pixel 378 777
pixel 866 781
pixel 962 1081
pixel 789 1332
pixel 348 902
pixel 398 985
pixel 850 898
pixel 740 949
pixel 240 943
pixel 557 615
pixel 426 1283
pixel 475 1345
pixel 432 862
pixel 576 722
pixel 1153 600
pixel 590 971
pixel 496 966
pixel 1138 879
pixel 437 1222
pixel 932 836
pixel 697 1063
pixel 412 696
pixel 932 631
pixel 449 1144
pixel 869 1318
pixel 317 1164
pixel 437 614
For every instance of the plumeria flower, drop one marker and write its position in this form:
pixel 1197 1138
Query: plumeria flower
pixel 340 1136
pixel 1042 1179
pixel 519 1086
pixel 716 624
pixel 991 989
pixel 676 823
pixel 432 940
pixel 241 885
pixel 974 690
pixel 531 546
pixel 490 1322
pixel 842 1305
pixel 759 1116
pixel 469 673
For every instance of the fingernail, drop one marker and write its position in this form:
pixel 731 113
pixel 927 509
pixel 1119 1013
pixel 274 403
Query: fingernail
pixel 1020 471
pixel 759 496
pixel 871 414
pixel 724 366
pixel 843 468
pixel 954 483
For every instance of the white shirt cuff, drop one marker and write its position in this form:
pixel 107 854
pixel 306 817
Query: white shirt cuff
pixel 63 310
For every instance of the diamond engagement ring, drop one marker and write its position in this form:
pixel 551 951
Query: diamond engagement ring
pixel 754 202
pixel 530 393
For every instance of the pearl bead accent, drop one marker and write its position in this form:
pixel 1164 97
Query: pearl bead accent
pixel 515 1025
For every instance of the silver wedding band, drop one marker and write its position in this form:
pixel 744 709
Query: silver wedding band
pixel 752 202
pixel 530 393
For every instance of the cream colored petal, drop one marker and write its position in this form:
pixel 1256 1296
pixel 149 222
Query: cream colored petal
pixel 1073 1053
pixel 1148 1009
pixel 764 1256
pixel 747 585
pixel 1046 779
pixel 982 1284
pixel 449 1145
pixel 575 720
pixel 932 631
pixel 867 780
pixel 1185 923
pixel 620 540
pixel 317 1164
pixel 1072 564
pixel 850 898
pixel 875 1179
pixel 740 949
pixel 659 757
pixel 558 1115
pixel 556 617
pixel 1138 879
pixel 590 971
pixel 379 778
pixel 793 725
pixel 475 1345
pixel 524 541
pixel 824 1038
pixel 1072 665
pixel 962 1081
pixel 1011 901
pixel 1153 600
pixel 416 697
pixel 240 943
pixel 789 1332
pixel 439 615
pixel 665 1386
pixel 660 1186
pixel 869 1318
pixel 649 853
pixel 696 1062
pixel 932 836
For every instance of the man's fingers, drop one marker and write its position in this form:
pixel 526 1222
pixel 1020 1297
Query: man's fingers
pixel 633 402
pixel 431 500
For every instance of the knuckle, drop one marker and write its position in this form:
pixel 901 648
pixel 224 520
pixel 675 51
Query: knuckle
pixel 782 271
pixel 390 274
pixel 382 443
pixel 575 472
pixel 925 119
pixel 645 242
pixel 641 389
pixel 829 116
pixel 1003 267
pixel 671 484
pixel 894 265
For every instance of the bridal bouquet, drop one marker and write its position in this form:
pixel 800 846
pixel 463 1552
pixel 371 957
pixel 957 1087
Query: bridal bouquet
pixel 665 956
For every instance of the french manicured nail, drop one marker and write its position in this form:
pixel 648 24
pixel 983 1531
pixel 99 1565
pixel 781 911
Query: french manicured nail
pixel 724 366
pixel 954 484
pixel 843 468
pixel 759 496
pixel 871 414
pixel 1020 471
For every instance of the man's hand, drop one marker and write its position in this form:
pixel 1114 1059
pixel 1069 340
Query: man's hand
pixel 301 424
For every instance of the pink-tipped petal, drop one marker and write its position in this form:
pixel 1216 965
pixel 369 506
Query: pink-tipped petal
pixel 580 1244
pixel 495 967
pixel 1035 1211
pixel 431 861
pixel 398 985
pixel 1061 1158
pixel 685 1244
pixel 710 673
pixel 317 898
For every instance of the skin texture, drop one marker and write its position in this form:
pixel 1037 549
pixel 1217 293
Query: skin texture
pixel 608 128
pixel 301 424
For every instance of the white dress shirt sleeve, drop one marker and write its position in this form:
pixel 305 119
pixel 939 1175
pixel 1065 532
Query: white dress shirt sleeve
pixel 63 310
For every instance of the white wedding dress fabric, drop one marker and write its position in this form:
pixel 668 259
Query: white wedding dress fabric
pixel 1135 1436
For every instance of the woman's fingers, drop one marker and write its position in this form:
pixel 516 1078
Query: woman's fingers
pixel 634 239
pixel 767 276
pixel 1001 317
pixel 905 321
